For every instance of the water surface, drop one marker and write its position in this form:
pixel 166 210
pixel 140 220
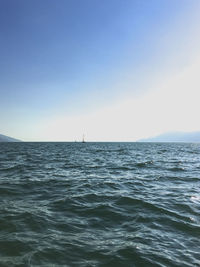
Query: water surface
pixel 99 204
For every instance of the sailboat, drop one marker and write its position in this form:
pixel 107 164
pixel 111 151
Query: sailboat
pixel 83 140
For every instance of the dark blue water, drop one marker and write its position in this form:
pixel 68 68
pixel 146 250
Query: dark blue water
pixel 99 204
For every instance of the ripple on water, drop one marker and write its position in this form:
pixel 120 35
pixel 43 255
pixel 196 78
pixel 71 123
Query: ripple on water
pixel 99 204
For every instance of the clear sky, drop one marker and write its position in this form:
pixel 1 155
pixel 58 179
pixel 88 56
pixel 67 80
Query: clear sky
pixel 115 70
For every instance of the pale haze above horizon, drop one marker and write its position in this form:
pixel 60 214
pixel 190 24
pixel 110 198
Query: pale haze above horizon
pixel 113 70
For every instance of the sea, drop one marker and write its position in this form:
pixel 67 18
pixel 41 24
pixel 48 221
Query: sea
pixel 99 204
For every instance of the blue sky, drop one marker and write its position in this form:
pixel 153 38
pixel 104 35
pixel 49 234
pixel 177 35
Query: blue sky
pixel 64 61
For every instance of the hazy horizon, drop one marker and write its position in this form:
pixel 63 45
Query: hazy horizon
pixel 112 70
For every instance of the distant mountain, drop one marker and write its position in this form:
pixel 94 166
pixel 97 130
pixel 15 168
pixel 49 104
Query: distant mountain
pixel 174 137
pixel 4 138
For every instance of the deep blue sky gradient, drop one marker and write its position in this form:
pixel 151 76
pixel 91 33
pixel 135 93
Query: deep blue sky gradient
pixel 71 54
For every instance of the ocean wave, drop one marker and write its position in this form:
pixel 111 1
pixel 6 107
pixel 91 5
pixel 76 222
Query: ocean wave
pixel 109 204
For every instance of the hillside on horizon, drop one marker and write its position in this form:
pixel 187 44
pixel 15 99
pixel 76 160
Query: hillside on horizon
pixel 174 137
pixel 4 138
